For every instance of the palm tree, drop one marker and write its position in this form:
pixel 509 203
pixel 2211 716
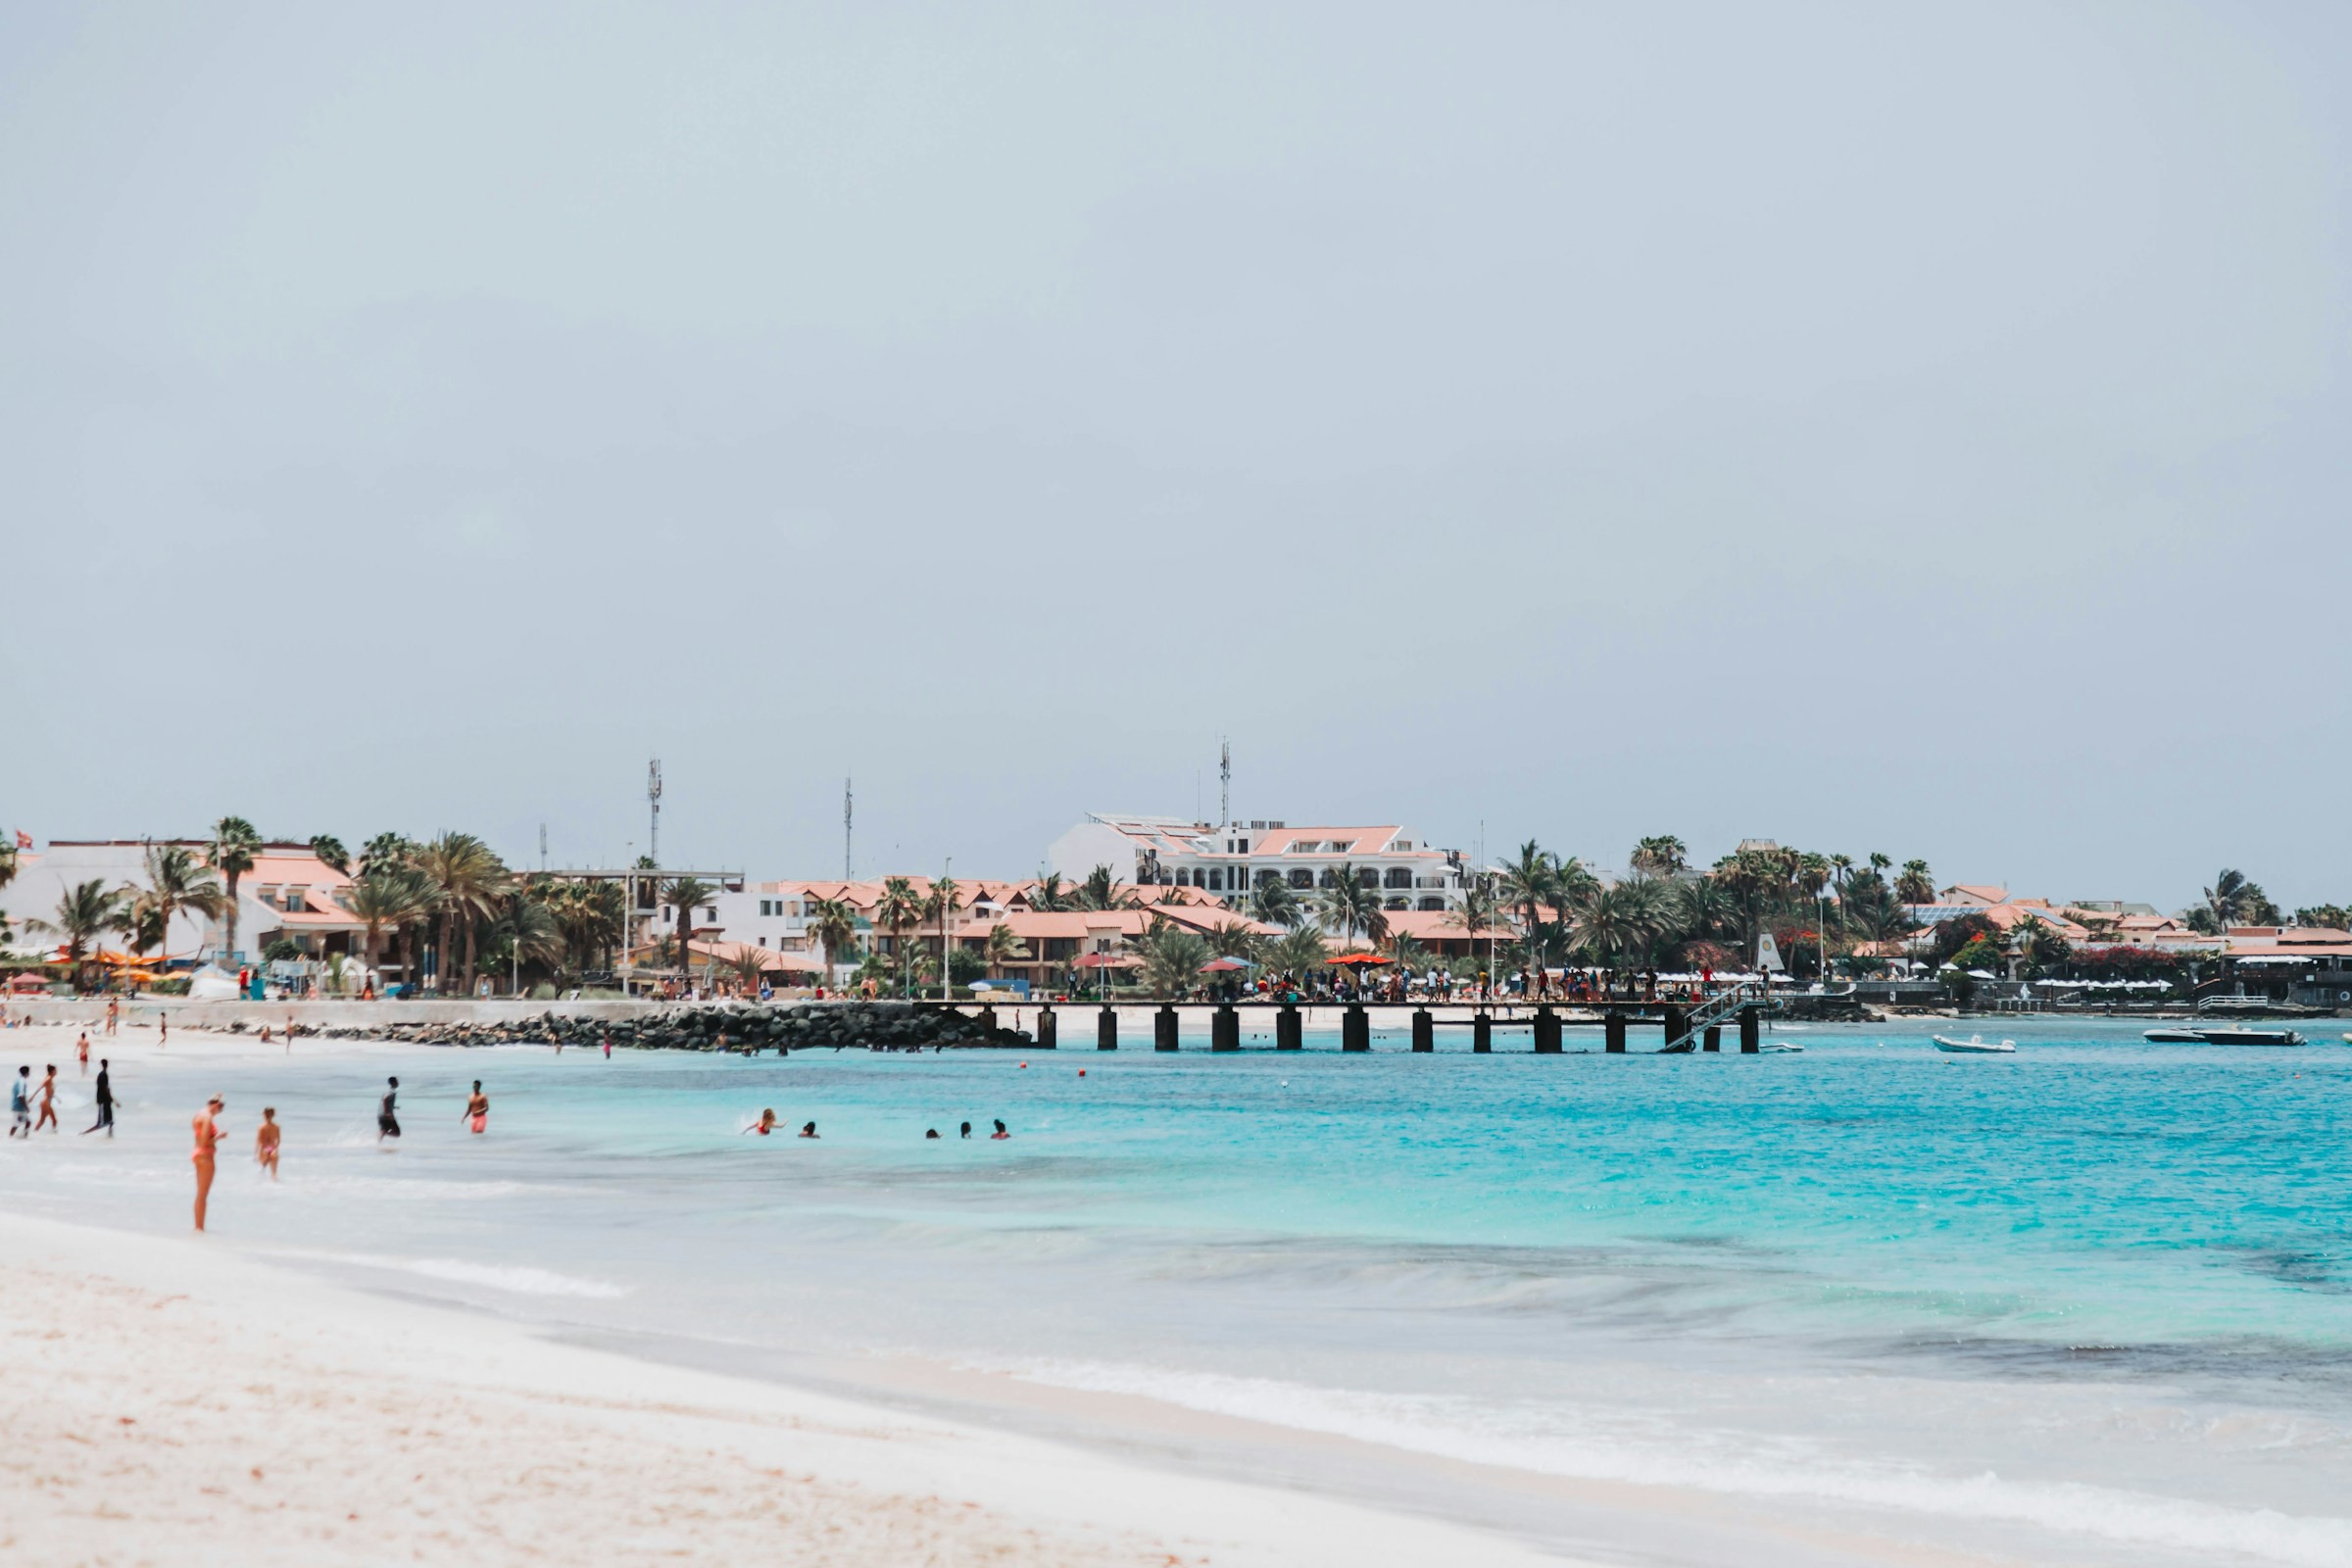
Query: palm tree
pixel 1349 905
pixel 1407 954
pixel 1296 952
pixel 1662 855
pixel 533 931
pixel 387 850
pixel 1531 881
pixel 389 895
pixel 1618 923
pixel 749 966
pixel 1916 885
pixel 1101 891
pixel 235 843
pixel 2228 901
pixel 1273 901
pixel 1048 895
pixel 686 894
pixel 176 883
pixel 1233 939
pixel 1005 945
pixel 331 854
pixel 1172 957
pixel 2039 946
pixel 939 904
pixel 85 912
pixel 469 881
pixel 899 908
pixel 834 924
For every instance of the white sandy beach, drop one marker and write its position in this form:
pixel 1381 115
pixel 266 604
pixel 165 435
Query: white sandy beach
pixel 173 1401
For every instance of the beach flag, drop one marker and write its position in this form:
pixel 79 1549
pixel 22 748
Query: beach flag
pixel 23 839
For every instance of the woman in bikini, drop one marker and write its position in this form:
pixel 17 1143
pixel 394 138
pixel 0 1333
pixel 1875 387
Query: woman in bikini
pixel 477 1109
pixel 264 1142
pixel 768 1125
pixel 208 1138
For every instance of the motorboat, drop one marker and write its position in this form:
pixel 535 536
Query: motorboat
pixel 1976 1046
pixel 2225 1037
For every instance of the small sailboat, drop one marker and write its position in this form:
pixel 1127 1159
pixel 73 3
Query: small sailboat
pixel 1976 1046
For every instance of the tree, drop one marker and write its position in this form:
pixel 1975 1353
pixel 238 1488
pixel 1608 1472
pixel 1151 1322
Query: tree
pixel 834 924
pixel 386 851
pixel 2232 900
pixel 748 967
pixel 1347 906
pixel 686 894
pixel 939 904
pixel 472 881
pixel 1917 884
pixel 1296 952
pixel 1953 936
pixel 1233 939
pixel 1172 957
pixel 2040 945
pixel 178 883
pixel 331 854
pixel 1663 856
pixel 85 912
pixel 1530 881
pixel 1273 901
pixel 899 908
pixel 1101 891
pixel 1407 954
pixel 235 846
pixel 1048 896
pixel 389 895
pixel 1006 944
pixel 1618 923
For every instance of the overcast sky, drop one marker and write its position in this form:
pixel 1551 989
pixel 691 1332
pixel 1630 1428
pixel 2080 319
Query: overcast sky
pixel 1870 427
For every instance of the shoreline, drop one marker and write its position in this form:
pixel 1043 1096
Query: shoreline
pixel 178 1392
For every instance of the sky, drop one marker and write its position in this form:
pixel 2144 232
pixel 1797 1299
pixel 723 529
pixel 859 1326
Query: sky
pixel 1918 429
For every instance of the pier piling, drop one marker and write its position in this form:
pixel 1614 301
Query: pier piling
pixel 1425 1032
pixel 1713 1039
pixel 1482 1034
pixel 1107 1029
pixel 1751 1032
pixel 1677 1024
pixel 1045 1029
pixel 1355 1028
pixel 1612 1033
pixel 1225 1030
pixel 1548 1032
pixel 1164 1029
pixel 1286 1029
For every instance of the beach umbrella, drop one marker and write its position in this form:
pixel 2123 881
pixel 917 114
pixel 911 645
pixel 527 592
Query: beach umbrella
pixel 1107 960
pixel 1224 965
pixel 1357 958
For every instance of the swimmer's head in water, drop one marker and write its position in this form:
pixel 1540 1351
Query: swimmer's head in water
pixel 930 1132
pixel 999 1125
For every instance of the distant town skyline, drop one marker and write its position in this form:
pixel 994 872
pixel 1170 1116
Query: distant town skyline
pixel 1906 429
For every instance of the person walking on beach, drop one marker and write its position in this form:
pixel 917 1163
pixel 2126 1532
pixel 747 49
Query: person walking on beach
pixel 477 1109
pixel 387 1119
pixel 20 1103
pixel 48 1093
pixel 264 1142
pixel 163 1037
pixel 106 1104
pixel 208 1139
pixel 113 1010
pixel 81 1053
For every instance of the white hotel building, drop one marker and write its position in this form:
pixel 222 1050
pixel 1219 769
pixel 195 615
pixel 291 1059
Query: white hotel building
pixel 1411 872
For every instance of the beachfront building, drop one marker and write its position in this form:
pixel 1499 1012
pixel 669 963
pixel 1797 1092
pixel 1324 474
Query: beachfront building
pixel 1226 862
pixel 289 895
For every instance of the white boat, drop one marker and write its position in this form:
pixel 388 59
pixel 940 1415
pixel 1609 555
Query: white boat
pixel 2224 1037
pixel 1976 1046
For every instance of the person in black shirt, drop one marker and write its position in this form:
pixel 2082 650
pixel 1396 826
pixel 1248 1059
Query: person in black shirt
pixel 105 1103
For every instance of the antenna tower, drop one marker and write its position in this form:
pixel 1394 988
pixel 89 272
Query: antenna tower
pixel 847 871
pixel 652 799
pixel 1224 784
pixel 543 847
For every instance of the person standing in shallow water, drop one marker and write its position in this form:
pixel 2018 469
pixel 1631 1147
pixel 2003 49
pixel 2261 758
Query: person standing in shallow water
pixel 208 1139
pixel 477 1109
pixel 387 1117
pixel 265 1140
pixel 105 1103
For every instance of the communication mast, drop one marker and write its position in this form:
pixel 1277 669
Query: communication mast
pixel 652 799
pixel 847 871
pixel 1224 784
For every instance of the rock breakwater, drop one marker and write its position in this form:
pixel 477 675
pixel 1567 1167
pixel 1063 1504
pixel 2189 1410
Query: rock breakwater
pixel 742 1027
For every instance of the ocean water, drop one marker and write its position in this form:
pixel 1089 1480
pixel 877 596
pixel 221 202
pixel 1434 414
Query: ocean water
pixel 2088 1303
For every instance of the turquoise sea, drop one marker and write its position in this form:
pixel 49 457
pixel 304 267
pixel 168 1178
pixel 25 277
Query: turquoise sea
pixel 2088 1303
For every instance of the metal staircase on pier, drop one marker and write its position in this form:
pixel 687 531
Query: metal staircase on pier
pixel 1707 1016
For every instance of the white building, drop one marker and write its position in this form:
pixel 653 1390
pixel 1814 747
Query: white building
pixel 1411 872
pixel 289 893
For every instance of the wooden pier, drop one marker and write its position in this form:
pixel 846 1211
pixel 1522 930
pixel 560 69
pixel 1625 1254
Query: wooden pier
pixel 1686 1026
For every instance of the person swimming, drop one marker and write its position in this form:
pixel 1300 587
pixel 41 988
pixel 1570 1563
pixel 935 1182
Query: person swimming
pixel 808 1130
pixel 768 1125
pixel 967 1130
pixel 930 1132
pixel 999 1133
